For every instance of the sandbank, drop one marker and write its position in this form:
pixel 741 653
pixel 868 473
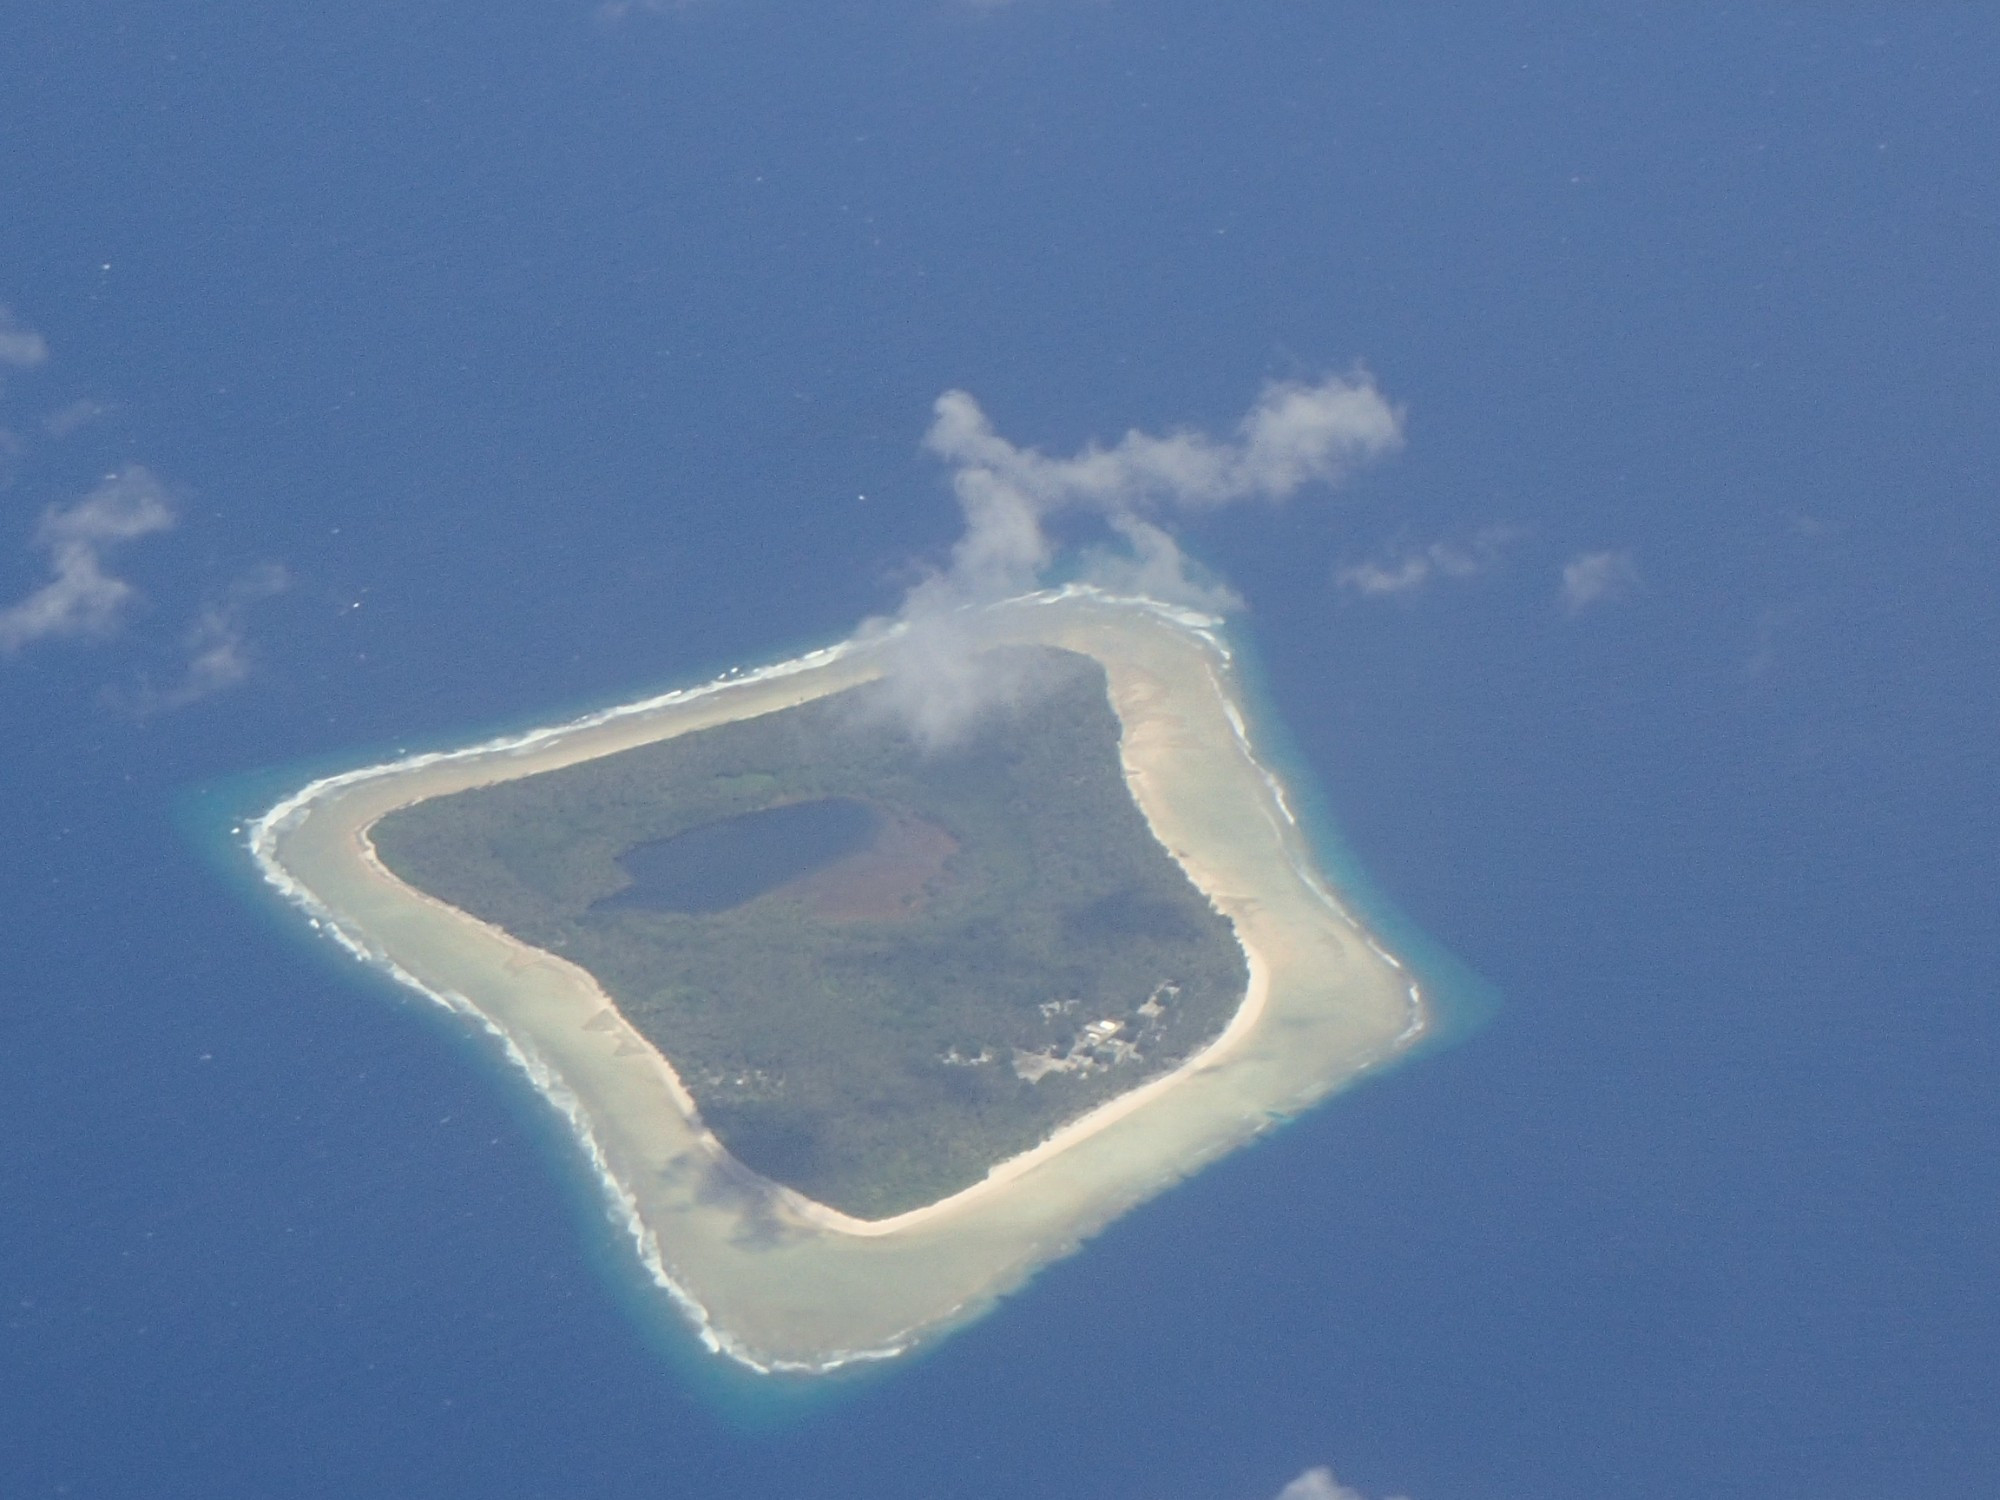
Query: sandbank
pixel 767 1276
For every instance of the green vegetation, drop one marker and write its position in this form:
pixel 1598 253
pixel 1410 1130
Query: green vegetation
pixel 1013 948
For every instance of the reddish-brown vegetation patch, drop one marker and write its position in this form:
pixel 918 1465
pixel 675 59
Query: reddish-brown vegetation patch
pixel 888 879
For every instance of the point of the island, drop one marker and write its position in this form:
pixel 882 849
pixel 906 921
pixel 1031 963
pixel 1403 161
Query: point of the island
pixel 857 1030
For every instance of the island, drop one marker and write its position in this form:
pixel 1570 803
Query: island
pixel 858 1027
pixel 882 966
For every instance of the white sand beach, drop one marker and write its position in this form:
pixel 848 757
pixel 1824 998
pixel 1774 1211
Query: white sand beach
pixel 769 1277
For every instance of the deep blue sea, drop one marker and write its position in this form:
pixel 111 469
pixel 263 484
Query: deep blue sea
pixel 485 362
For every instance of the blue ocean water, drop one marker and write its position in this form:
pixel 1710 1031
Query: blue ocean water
pixel 559 352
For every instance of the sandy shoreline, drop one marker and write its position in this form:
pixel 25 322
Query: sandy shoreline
pixel 813 1288
pixel 1241 1021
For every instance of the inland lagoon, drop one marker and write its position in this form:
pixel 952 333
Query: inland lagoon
pixel 716 867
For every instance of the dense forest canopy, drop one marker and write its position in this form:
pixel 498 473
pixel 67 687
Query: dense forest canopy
pixel 987 942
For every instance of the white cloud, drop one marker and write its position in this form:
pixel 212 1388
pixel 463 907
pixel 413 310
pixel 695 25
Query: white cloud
pixel 1401 572
pixel 23 348
pixel 218 655
pixel 1294 435
pixel 613 11
pixel 1773 641
pixel 1152 566
pixel 1318 1484
pixel 61 422
pixel 128 504
pixel 1597 578
pixel 80 598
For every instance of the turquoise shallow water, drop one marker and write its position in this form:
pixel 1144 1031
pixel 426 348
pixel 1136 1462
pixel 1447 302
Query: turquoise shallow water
pixel 1458 1001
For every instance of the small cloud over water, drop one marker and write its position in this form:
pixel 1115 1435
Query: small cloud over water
pixel 1319 1484
pixel 1405 571
pixel 1593 578
pixel 1294 435
pixel 21 348
pixel 215 646
pixel 82 598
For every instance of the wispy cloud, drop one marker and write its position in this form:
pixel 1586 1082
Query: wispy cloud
pixel 1772 640
pixel 1319 1484
pixel 1592 578
pixel 84 597
pixel 216 646
pixel 81 598
pixel 1294 435
pixel 22 348
pixel 64 420
pixel 1405 570
pixel 613 11
pixel 1014 500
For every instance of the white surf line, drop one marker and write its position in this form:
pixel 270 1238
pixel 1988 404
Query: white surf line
pixel 1419 1020
pixel 540 1076
pixel 263 827
pixel 261 840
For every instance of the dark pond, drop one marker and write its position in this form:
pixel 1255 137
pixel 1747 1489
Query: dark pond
pixel 720 865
